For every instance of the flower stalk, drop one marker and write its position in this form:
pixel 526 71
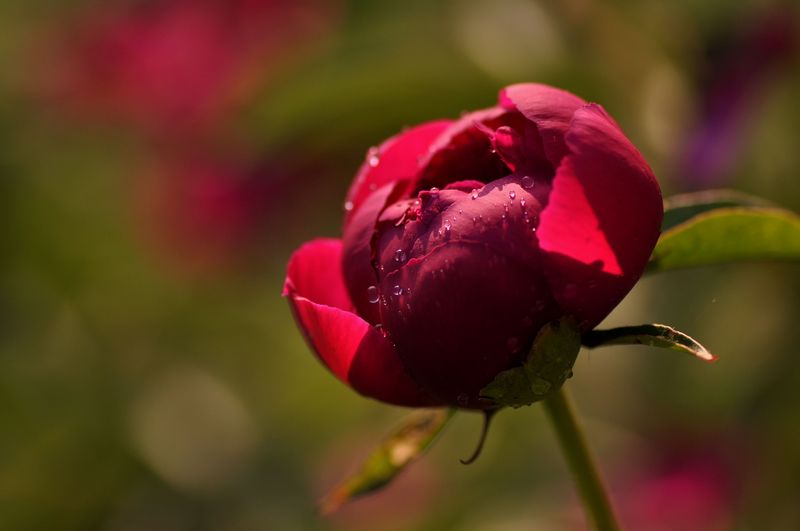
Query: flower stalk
pixel 597 504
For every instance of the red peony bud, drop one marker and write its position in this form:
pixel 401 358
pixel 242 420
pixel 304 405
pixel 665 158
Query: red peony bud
pixel 462 239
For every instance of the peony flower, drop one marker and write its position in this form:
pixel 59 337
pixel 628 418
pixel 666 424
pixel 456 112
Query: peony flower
pixel 462 239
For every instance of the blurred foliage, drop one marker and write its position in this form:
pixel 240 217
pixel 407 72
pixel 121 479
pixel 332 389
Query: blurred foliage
pixel 149 382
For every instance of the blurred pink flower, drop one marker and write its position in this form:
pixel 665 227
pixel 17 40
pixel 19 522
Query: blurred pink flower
pixel 691 483
pixel 168 64
pixel 205 214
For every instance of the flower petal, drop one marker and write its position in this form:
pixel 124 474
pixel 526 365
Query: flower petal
pixel 395 159
pixel 351 348
pixel 464 152
pixel 602 219
pixel 463 313
pixel 358 271
pixel 315 274
pixel 551 109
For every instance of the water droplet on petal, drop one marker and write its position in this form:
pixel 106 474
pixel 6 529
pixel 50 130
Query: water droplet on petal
pixel 527 182
pixel 373 156
pixel 434 192
pixel 348 206
pixel 397 290
pixel 512 194
pixel 522 203
pixel 474 195
pixel 400 256
pixel 447 225
pixel 373 295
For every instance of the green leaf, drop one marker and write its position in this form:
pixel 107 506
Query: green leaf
pixel 397 450
pixel 728 235
pixel 654 335
pixel 682 207
pixel 545 370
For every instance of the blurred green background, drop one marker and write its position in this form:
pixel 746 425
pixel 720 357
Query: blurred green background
pixel 160 160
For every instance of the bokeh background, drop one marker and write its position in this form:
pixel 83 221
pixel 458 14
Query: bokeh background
pixel 160 160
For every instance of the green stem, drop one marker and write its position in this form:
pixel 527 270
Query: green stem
pixel 561 412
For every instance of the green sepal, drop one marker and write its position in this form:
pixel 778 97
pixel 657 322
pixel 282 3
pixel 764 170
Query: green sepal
pixel 412 437
pixel 654 335
pixel 544 371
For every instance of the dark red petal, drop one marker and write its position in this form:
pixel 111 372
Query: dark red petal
pixel 351 348
pixel 602 220
pixel 463 313
pixel 359 273
pixel 551 109
pixel 397 158
pixel 469 296
pixel 464 152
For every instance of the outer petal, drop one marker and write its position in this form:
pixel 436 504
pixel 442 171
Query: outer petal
pixel 602 220
pixel 470 297
pixel 357 269
pixel 466 312
pixel 352 349
pixel 551 109
pixel 395 159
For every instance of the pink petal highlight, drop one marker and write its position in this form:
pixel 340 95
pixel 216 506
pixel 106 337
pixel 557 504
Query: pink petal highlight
pixel 315 273
pixel 570 226
pixel 354 351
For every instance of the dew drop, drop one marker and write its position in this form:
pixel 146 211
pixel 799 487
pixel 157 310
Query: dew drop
pixel 434 192
pixel 373 156
pixel 348 206
pixel 400 256
pixel 522 203
pixel 397 290
pixel 474 195
pixel 527 182
pixel 512 194
pixel 373 296
pixel 447 225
